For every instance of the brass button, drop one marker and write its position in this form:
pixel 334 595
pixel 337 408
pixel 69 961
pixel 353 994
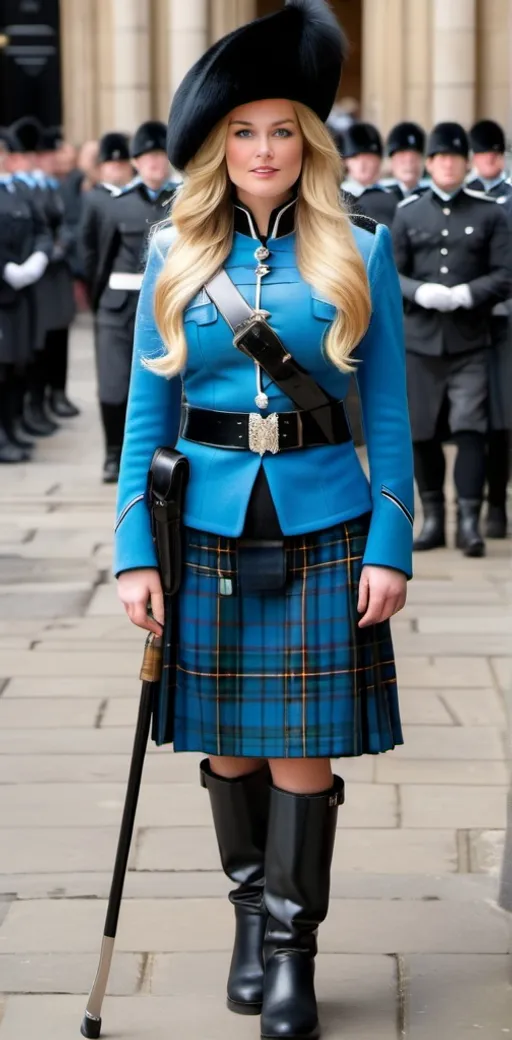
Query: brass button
pixel 445 232
pixel 444 270
pixel 447 212
pixel 444 252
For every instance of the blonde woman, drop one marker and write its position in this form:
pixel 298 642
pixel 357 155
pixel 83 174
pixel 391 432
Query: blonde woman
pixel 294 562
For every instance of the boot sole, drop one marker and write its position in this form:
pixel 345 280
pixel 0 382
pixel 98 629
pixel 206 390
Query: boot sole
pixel 474 552
pixel 240 1008
pixel 418 547
pixel 296 1036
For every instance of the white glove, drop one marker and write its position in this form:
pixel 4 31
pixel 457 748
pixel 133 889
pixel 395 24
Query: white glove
pixel 461 294
pixel 34 267
pixel 435 297
pixel 13 275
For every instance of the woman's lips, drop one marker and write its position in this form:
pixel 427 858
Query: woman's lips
pixel 264 171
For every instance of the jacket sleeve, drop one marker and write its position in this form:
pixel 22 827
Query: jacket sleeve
pixel 382 387
pixel 496 284
pixel 403 257
pixel 152 421
pixel 88 240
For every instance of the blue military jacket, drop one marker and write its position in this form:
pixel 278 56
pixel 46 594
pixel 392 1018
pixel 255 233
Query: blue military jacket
pixel 312 488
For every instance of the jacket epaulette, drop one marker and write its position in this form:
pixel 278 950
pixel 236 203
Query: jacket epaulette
pixel 479 195
pixel 368 223
pixel 408 200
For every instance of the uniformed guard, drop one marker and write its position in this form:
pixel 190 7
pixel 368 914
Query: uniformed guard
pixel 487 141
pixel 405 147
pixel 363 150
pixel 453 255
pixel 60 279
pixel 31 244
pixel 129 216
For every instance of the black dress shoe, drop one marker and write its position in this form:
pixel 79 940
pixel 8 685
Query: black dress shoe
pixel 432 534
pixel 111 466
pixel 10 453
pixel 36 421
pixel 469 537
pixel 496 523
pixel 17 436
pixel 61 406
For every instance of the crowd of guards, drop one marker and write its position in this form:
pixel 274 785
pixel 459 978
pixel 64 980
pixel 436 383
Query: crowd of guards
pixel 447 199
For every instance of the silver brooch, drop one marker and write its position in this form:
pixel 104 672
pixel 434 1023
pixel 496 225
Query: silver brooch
pixel 262 253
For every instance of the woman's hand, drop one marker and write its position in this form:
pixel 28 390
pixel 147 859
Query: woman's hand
pixel 382 593
pixel 136 590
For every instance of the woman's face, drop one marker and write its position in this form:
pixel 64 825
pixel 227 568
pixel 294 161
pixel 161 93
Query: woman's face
pixel 264 148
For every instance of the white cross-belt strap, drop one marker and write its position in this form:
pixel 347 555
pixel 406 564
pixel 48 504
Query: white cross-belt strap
pixel 132 282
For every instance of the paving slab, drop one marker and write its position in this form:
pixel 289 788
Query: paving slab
pixel 421 671
pixel 453 806
pixel 140 884
pixel 455 743
pixel 482 624
pixel 67 973
pixel 48 712
pixel 356 994
pixel 100 805
pixel 66 741
pixel 476 707
pixel 105 603
pixel 458 997
pixel 206 925
pixel 43 850
pixel 395 851
pixel 123 663
pixel 76 686
pixel 394 770
pixel 423 708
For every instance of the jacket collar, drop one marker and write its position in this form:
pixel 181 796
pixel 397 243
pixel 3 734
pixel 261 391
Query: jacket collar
pixel 281 223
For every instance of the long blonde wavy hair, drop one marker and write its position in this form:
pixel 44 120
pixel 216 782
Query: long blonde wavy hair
pixel 327 256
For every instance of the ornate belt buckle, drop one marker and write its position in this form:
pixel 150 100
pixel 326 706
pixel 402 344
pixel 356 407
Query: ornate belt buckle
pixel 264 433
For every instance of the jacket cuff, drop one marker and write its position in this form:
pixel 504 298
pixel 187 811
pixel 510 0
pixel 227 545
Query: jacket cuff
pixel 390 537
pixel 134 547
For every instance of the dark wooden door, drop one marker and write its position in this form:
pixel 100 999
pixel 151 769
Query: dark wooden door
pixel 30 75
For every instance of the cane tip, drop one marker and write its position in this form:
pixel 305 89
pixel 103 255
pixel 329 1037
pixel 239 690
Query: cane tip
pixel 91 1027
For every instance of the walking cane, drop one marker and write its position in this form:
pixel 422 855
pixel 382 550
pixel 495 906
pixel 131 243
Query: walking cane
pixel 150 674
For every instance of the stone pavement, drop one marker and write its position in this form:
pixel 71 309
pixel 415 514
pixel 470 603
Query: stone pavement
pixel 414 945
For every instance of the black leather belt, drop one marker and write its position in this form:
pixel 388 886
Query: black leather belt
pixel 250 431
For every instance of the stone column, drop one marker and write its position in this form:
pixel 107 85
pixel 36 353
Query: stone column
pixel 495 61
pixel 79 69
pixel 229 14
pixel 383 62
pixel 454 61
pixel 131 44
pixel 418 63
pixel 188 36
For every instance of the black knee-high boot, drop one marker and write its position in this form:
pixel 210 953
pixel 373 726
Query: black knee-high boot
pixel 300 845
pixel 497 474
pixel 57 350
pixel 240 815
pixel 113 417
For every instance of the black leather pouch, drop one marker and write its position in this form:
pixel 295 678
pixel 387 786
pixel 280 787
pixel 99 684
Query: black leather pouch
pixel 168 477
pixel 261 566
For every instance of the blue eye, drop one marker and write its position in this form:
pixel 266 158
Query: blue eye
pixel 242 133
pixel 283 132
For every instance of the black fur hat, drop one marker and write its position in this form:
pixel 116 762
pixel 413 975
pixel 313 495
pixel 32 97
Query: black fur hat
pixel 362 139
pixel 296 53
pixel 114 148
pixel 150 137
pixel 487 136
pixel 51 139
pixel 8 141
pixel 448 139
pixel 27 133
pixel 406 137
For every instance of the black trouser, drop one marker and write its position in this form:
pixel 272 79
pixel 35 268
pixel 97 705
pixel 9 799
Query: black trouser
pixel 56 358
pixel 470 462
pixel 498 466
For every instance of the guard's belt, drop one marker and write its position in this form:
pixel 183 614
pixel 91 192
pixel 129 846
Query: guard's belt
pixel 132 282
pixel 250 431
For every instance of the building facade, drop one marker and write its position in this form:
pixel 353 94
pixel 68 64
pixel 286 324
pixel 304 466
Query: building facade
pixel 121 60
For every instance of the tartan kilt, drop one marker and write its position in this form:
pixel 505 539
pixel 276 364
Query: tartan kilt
pixel 277 675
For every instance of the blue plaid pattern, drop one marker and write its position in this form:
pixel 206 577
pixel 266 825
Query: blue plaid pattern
pixel 278 675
